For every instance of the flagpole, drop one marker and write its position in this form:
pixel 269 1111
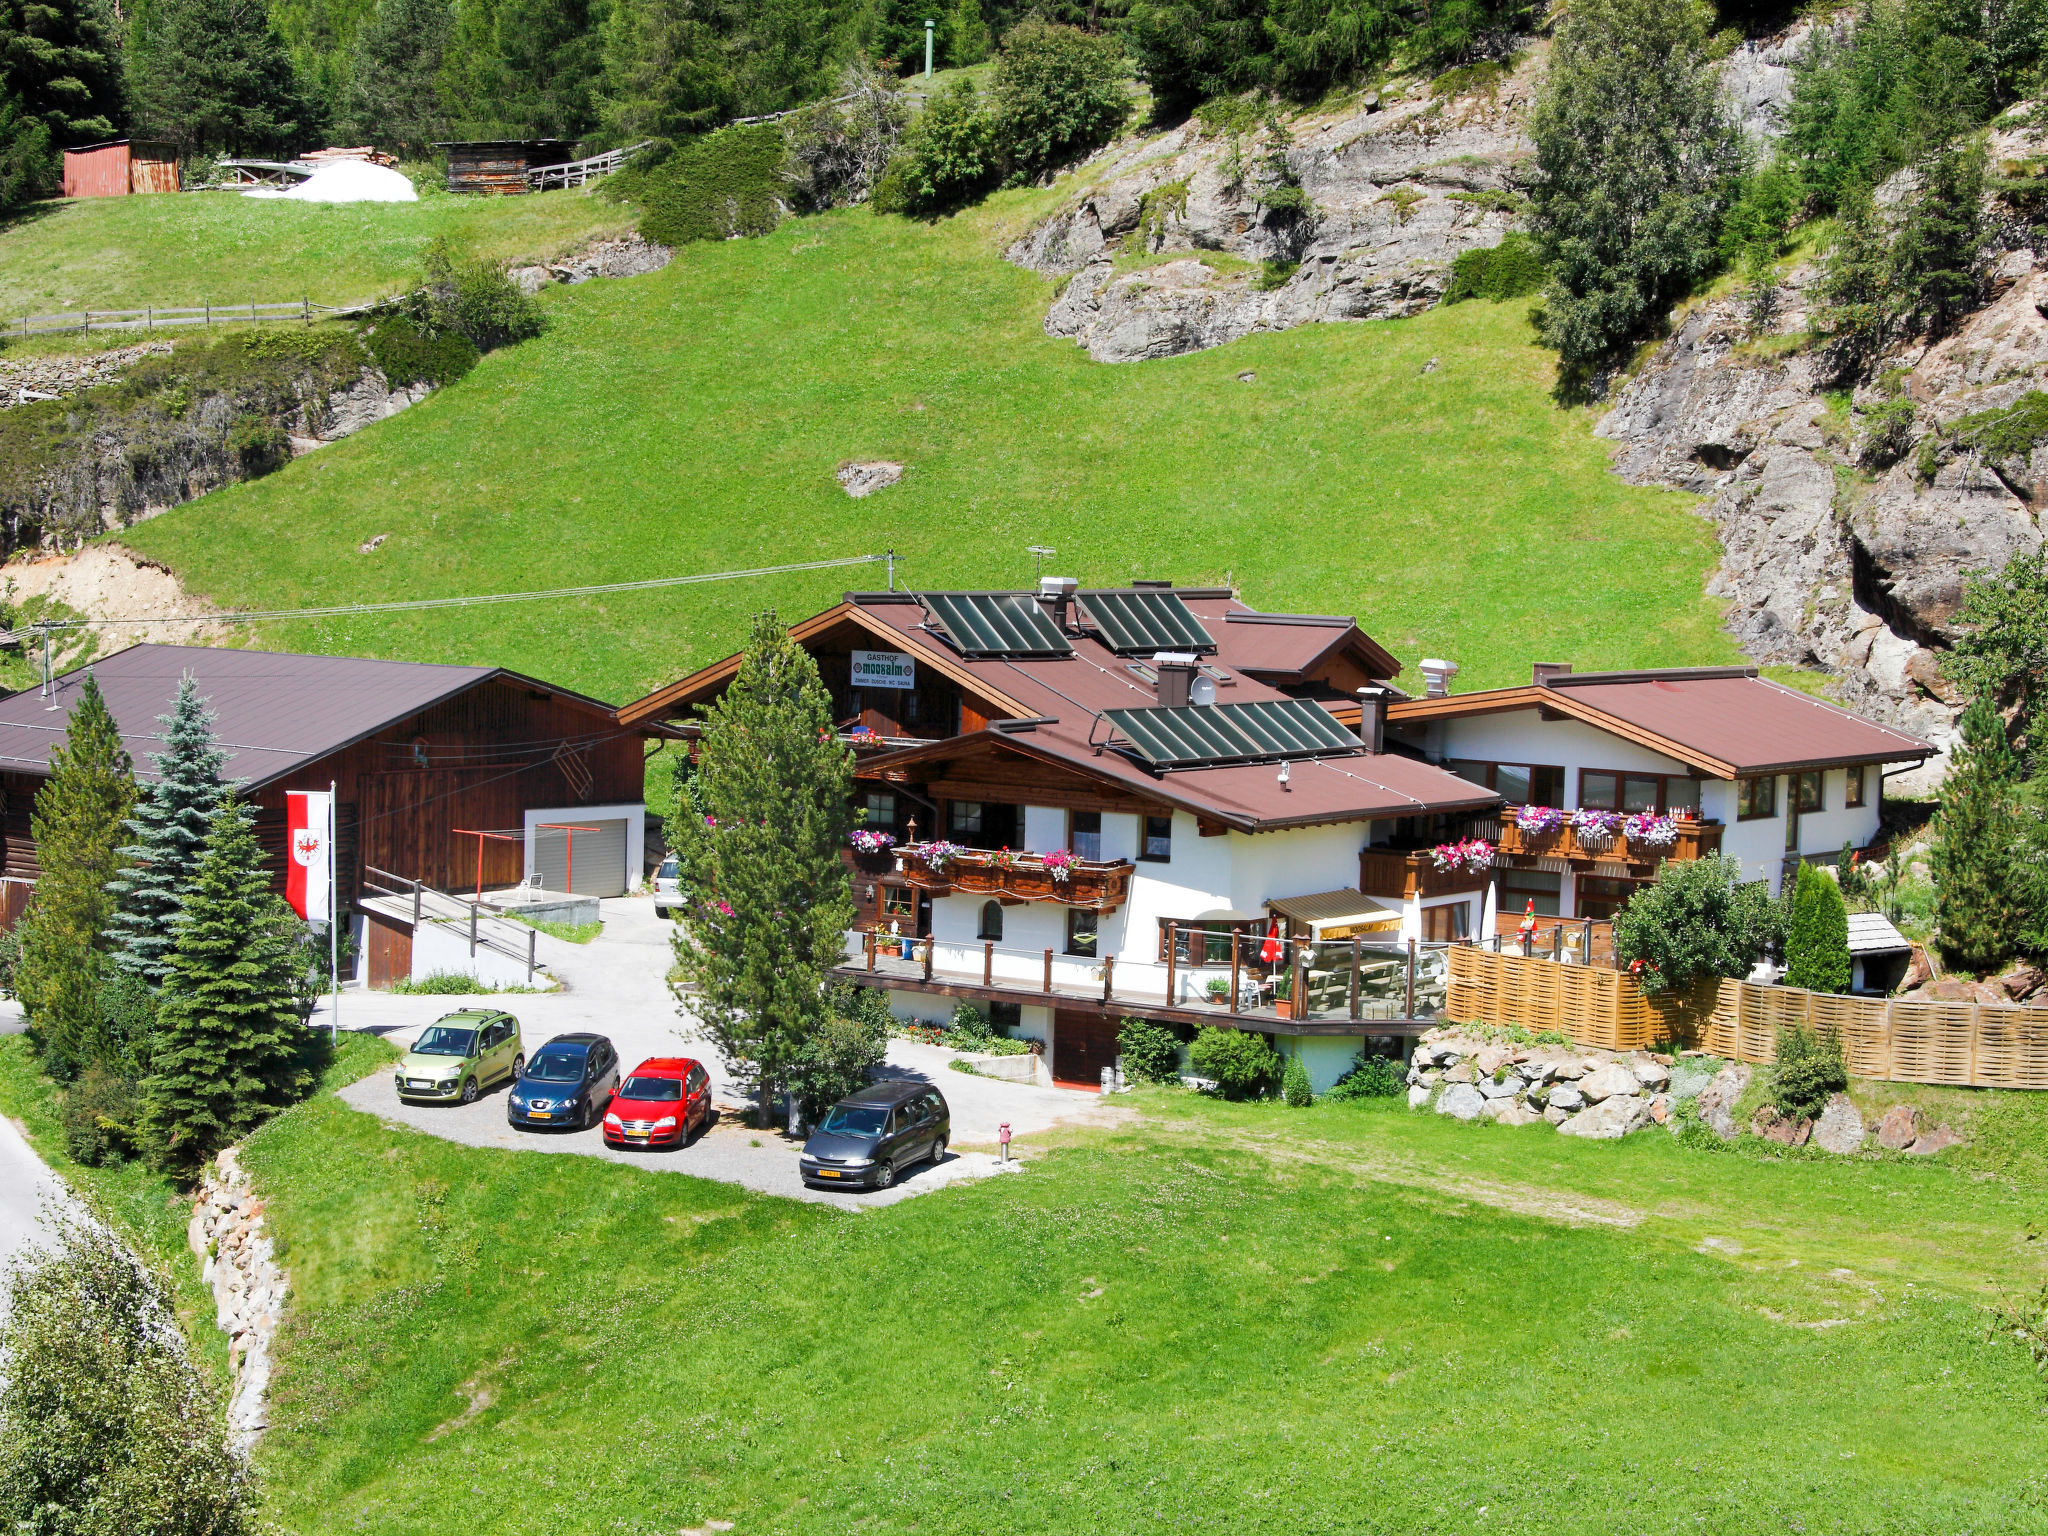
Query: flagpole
pixel 333 923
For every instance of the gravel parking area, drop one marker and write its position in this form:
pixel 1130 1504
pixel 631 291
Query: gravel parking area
pixel 614 986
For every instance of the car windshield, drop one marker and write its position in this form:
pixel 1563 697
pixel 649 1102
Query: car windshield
pixel 445 1040
pixel 654 1090
pixel 856 1120
pixel 668 871
pixel 556 1067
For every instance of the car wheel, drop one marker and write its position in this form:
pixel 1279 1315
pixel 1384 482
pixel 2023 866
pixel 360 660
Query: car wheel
pixel 661 911
pixel 518 1066
pixel 938 1151
pixel 887 1176
pixel 469 1090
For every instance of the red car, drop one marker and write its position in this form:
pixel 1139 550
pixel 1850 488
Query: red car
pixel 662 1102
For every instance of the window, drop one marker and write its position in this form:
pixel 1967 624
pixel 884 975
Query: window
pixel 1158 839
pixel 1084 835
pixel 1756 799
pixel 1208 943
pixel 974 824
pixel 963 818
pixel 1600 898
pixel 910 709
pixel 1633 792
pixel 1005 1016
pixel 1519 887
pixel 879 810
pixel 991 920
pixel 1452 920
pixel 1516 783
pixel 1682 795
pixel 1852 786
pixel 1081 931
pixel 1811 797
pixel 899 903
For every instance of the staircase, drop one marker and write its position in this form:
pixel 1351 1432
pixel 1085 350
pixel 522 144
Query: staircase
pixel 498 949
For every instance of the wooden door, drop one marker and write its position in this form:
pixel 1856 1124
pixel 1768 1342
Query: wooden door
pixel 1082 1045
pixel 388 946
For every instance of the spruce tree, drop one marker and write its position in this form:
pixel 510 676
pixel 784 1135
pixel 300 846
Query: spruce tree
pixel 215 75
pixel 229 1045
pixel 1817 939
pixel 394 96
pixel 1981 887
pixel 60 86
pixel 168 830
pixel 76 822
pixel 767 894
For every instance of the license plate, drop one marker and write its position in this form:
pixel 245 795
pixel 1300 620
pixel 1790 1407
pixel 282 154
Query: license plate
pixel 828 1173
pixel 636 1135
pixel 540 1114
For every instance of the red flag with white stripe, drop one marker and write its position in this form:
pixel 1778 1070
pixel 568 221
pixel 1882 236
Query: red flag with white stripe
pixel 309 872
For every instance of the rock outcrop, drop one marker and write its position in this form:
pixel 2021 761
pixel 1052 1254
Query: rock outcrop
pixel 628 256
pixel 240 1267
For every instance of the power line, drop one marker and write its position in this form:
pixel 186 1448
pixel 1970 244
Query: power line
pixel 255 616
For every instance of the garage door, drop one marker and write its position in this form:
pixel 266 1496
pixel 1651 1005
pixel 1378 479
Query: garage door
pixel 598 857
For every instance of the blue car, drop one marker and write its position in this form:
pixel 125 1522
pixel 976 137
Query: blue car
pixel 567 1083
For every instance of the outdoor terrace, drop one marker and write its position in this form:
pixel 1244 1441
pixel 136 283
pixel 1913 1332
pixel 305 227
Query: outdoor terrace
pixel 1101 886
pixel 1691 839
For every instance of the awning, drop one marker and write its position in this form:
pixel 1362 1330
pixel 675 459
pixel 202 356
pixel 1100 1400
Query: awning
pixel 1337 914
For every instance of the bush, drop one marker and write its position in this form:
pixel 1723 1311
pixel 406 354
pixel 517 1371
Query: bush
pixel 1243 1064
pixel 99 1118
pixel 864 1005
pixel 838 150
pixel 834 1062
pixel 470 297
pixel 1294 1085
pixel 1697 919
pixel 260 443
pixel 1370 1077
pixel 1151 1052
pixel 406 357
pixel 949 158
pixel 1887 434
pixel 1817 938
pixel 1057 93
pixel 1809 1068
pixel 1510 270
pixel 442 984
pixel 722 185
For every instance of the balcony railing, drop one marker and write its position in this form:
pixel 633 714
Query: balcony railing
pixel 1097 885
pixel 1393 872
pixel 1266 981
pixel 1694 840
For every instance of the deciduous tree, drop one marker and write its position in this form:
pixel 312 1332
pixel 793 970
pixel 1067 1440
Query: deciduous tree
pixel 1697 919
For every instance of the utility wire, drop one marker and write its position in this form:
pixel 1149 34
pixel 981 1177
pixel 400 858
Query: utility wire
pixel 255 616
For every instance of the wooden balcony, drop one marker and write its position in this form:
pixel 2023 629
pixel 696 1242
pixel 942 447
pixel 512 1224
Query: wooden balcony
pixel 1696 840
pixel 1391 872
pixel 1100 887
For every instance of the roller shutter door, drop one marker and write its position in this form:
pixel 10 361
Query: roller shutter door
pixel 600 859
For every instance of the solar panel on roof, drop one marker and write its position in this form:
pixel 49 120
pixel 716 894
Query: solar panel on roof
pixel 1139 622
pixel 996 624
pixel 1231 733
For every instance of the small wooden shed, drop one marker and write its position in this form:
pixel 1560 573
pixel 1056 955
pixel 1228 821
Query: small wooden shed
pixel 119 168
pixel 501 166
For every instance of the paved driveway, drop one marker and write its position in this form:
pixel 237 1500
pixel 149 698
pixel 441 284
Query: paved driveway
pixel 614 986
pixel 27 1186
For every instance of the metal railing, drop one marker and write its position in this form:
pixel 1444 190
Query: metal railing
pixel 515 941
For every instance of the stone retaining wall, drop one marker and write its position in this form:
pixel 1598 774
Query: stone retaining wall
pixel 249 1286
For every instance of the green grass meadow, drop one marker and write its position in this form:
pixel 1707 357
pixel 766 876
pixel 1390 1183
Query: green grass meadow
pixel 692 421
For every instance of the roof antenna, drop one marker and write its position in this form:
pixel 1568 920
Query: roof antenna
pixel 1284 777
pixel 891 558
pixel 44 626
pixel 1040 552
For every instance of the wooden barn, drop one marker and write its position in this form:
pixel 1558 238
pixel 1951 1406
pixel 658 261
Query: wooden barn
pixel 501 167
pixel 422 758
pixel 119 168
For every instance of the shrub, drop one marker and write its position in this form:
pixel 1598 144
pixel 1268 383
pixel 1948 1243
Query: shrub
pixel 969 1023
pixel 865 1005
pixel 442 984
pixel 1809 1068
pixel 1370 1077
pixel 1697 919
pixel 1294 1085
pixel 406 357
pixel 1510 270
pixel 1243 1064
pixel 1275 275
pixel 838 150
pixel 1817 938
pixel 1057 93
pixel 260 443
pixel 99 1117
pixel 1151 1052
pixel 470 297
pixel 722 185
pixel 949 157
pixel 1887 434
pixel 833 1061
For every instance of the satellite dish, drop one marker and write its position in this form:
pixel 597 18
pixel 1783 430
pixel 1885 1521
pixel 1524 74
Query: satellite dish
pixel 1203 690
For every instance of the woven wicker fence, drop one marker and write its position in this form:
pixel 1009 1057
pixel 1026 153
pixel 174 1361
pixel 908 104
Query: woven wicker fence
pixel 1965 1045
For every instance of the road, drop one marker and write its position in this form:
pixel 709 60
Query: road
pixel 614 986
pixel 26 1184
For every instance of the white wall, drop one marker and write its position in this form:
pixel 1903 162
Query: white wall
pixel 436 947
pixel 1327 1057
pixel 1045 828
pixel 1760 845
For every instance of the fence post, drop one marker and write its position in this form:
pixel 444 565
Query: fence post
pixel 1172 937
pixel 928 957
pixel 988 962
pixel 85 325
pixel 868 946
pixel 472 930
pixel 1557 942
pixel 532 943
pixel 1236 959
pixel 1356 952
pixel 1976 1033
pixel 1411 978
pixel 1300 985
pixel 415 904
pixel 1108 972
pixel 306 307
pixel 1048 969
pixel 1891 1045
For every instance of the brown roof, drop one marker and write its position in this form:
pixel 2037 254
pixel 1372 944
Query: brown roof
pixel 1725 721
pixel 273 711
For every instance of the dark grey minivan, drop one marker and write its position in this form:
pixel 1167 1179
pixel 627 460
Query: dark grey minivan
pixel 869 1137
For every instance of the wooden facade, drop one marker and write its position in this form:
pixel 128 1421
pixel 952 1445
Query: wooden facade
pixel 115 170
pixel 501 167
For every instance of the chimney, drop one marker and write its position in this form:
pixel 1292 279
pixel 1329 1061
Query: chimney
pixel 1058 591
pixel 1176 671
pixel 1436 676
pixel 1372 718
pixel 1543 671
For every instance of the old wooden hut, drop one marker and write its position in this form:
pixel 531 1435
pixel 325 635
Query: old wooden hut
pixel 119 168
pixel 501 166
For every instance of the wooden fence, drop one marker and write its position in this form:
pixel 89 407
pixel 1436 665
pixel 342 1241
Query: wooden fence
pixel 1901 1040
pixel 158 318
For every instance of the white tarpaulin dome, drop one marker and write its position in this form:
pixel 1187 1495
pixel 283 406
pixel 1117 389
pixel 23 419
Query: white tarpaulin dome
pixel 347 181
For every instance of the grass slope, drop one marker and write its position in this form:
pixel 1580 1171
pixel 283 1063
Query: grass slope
pixel 692 421
pixel 1225 1318
pixel 216 247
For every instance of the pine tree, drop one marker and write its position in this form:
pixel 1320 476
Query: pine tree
pixel 1817 939
pixel 60 86
pixel 169 829
pixel 395 98
pixel 215 75
pixel 767 892
pixel 1981 888
pixel 77 823
pixel 229 1045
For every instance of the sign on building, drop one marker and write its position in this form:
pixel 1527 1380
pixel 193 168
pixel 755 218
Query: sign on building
pixel 884 669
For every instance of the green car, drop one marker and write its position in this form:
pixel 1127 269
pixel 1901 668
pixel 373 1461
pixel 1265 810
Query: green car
pixel 457 1057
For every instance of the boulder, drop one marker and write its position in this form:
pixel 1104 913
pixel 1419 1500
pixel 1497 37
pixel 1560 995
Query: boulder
pixel 1491 1058
pixel 2019 983
pixel 1930 1142
pixel 1840 1128
pixel 1609 1120
pixel 1772 1126
pixel 1650 1072
pixel 1919 970
pixel 1899 1129
pixel 1507 1088
pixel 1566 1097
pixel 1611 1081
pixel 1554 1115
pixel 1417 1096
pixel 1462 1101
pixel 1432 1078
pixel 1660 1109
pixel 1508 1112
pixel 1570 1069
pixel 1719 1097
pixel 1461 1073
